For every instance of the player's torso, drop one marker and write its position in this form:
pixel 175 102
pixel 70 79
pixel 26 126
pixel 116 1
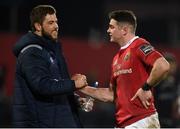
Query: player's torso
pixel 128 71
pixel 130 74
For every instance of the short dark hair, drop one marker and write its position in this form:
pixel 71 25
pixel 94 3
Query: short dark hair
pixel 124 16
pixel 39 12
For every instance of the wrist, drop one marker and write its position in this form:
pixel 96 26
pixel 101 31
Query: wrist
pixel 146 87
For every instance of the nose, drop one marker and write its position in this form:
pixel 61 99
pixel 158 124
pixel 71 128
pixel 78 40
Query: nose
pixel 108 30
pixel 56 26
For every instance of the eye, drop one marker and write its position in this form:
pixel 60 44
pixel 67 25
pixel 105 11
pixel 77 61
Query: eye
pixel 50 22
pixel 111 26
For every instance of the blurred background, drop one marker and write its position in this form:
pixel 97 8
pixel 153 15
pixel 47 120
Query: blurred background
pixel 83 25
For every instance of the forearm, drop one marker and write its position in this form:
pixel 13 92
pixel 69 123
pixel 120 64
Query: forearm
pixel 39 77
pixel 102 94
pixel 159 71
pixel 50 87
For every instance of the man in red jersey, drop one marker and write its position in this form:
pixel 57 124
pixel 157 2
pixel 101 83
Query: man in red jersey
pixel 136 69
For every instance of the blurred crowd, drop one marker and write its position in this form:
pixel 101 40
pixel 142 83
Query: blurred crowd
pixel 167 96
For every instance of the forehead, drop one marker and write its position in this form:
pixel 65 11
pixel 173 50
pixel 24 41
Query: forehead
pixel 50 17
pixel 113 22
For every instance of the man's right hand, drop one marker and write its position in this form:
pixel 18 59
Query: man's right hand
pixel 80 80
pixel 144 96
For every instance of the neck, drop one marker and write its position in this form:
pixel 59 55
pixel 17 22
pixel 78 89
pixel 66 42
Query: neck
pixel 126 39
pixel 38 33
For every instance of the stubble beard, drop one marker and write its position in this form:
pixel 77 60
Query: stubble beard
pixel 48 35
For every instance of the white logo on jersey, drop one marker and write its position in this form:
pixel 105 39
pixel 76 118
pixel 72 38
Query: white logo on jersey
pixel 123 71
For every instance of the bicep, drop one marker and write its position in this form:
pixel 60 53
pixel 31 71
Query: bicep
pixel 159 71
pixel 161 65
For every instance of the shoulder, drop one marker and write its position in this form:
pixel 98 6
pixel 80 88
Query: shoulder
pixel 33 51
pixel 143 46
pixel 140 42
pixel 31 46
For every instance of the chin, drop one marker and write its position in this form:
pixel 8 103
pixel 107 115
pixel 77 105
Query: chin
pixel 111 40
pixel 54 37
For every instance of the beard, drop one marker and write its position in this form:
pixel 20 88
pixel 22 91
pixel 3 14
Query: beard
pixel 48 35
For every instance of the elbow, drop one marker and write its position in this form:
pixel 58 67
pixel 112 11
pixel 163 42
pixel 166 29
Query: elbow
pixel 166 67
pixel 108 98
pixel 111 99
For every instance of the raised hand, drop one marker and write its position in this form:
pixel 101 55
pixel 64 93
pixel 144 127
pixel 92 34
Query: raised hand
pixel 80 80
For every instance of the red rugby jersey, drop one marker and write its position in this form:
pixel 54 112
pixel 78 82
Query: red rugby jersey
pixel 130 69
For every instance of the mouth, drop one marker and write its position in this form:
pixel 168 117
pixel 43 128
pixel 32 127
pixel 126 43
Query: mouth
pixel 55 31
pixel 54 34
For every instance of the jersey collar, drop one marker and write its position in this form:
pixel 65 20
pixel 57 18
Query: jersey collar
pixel 129 43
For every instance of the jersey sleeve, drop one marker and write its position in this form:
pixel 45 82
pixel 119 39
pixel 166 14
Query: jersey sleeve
pixel 148 54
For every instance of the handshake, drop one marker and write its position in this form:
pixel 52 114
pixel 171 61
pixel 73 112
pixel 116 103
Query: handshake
pixel 80 80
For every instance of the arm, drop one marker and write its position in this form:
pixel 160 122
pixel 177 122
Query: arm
pixel 102 94
pixel 159 71
pixel 35 70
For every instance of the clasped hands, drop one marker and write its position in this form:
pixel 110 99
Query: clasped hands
pixel 80 80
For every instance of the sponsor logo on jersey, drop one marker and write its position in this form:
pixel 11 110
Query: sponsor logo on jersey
pixel 146 49
pixel 123 71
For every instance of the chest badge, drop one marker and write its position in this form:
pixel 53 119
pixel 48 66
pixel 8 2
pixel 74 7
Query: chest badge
pixel 127 56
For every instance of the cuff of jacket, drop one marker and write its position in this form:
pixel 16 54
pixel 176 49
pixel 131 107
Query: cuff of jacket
pixel 69 84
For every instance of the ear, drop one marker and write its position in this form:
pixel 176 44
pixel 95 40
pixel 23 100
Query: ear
pixel 38 26
pixel 125 29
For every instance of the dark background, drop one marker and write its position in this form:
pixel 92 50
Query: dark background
pixel 158 20
pixel 82 28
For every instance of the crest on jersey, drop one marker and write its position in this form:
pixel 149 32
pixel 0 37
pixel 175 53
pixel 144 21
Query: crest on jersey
pixel 146 49
pixel 127 56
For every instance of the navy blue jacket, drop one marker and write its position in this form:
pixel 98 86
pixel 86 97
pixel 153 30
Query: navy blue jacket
pixel 43 93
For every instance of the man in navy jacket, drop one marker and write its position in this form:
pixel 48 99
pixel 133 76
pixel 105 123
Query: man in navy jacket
pixel 44 91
